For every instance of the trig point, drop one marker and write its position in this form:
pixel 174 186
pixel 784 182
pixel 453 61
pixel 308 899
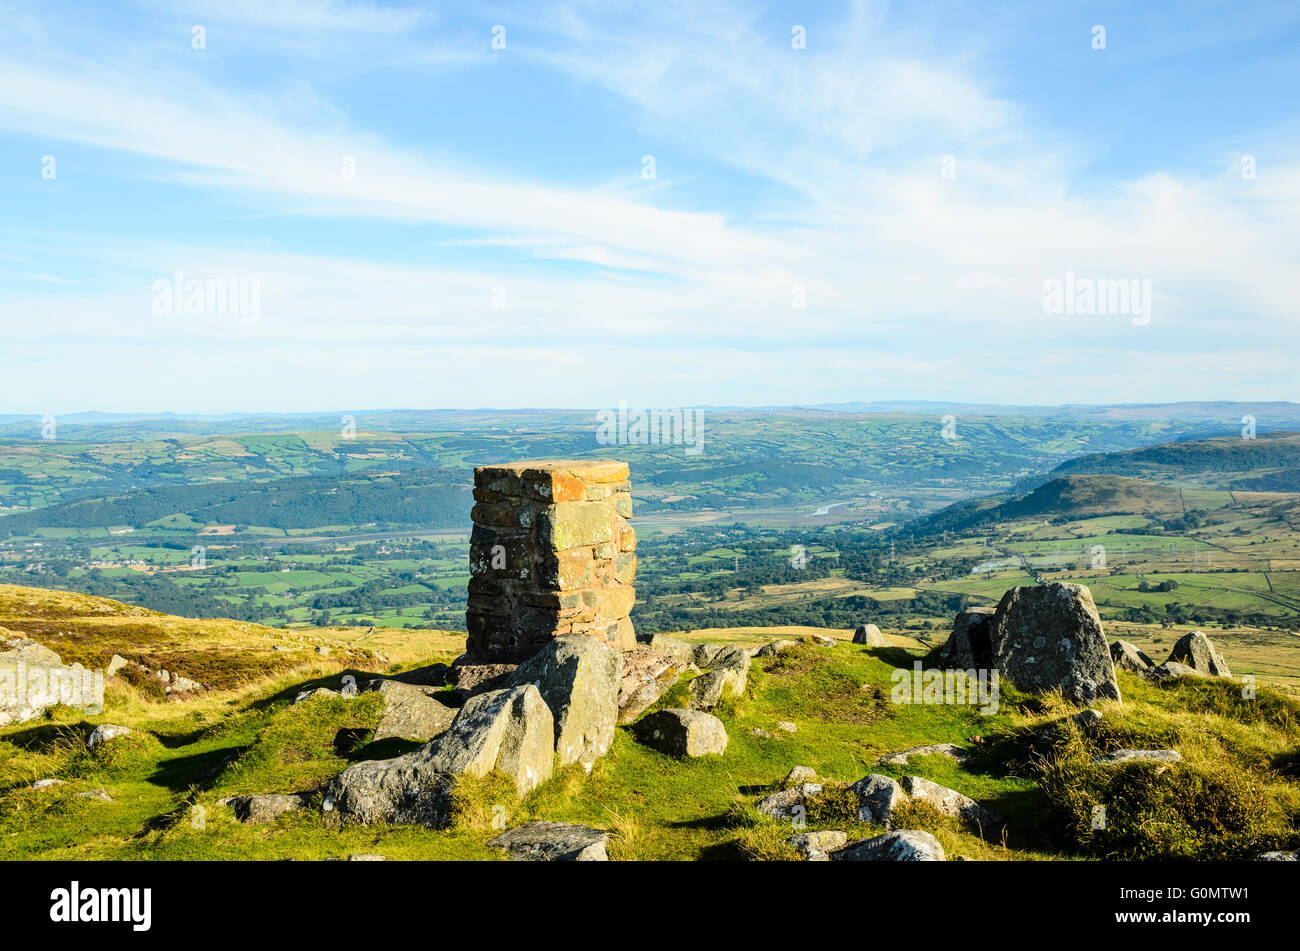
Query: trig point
pixel 551 554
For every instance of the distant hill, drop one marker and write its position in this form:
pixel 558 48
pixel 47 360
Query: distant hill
pixel 1225 462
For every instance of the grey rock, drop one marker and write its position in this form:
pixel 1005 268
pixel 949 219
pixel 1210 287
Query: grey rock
pixel 1198 652
pixel 800 774
pixel 105 733
pixel 99 795
pixel 48 681
pixel 679 732
pixel 304 695
pixel 878 796
pixel 679 650
pixel 116 663
pixel 773 648
pixel 1086 719
pixel 260 809
pixel 903 845
pixel 510 731
pixel 365 857
pixel 411 712
pixel 1278 857
pixel 815 846
pixel 786 726
pixel 969 646
pixel 869 635
pixel 702 654
pixel 1050 637
pixel 950 750
pixel 821 640
pixel 1126 656
pixel 579 678
pixel 1169 670
pixel 470 680
pixel 708 689
pixel 46 783
pixel 553 842
pixel 1134 756
pixel 789 803
pixel 949 801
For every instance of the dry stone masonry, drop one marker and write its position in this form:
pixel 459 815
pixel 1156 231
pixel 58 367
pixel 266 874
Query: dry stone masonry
pixel 551 554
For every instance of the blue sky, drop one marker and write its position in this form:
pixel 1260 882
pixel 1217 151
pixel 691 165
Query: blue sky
pixel 874 216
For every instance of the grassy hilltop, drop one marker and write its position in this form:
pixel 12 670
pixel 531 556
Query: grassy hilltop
pixel 1237 792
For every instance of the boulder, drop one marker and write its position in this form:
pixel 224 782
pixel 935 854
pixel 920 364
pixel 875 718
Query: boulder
pixel 702 654
pixel 106 732
pixel 904 845
pixel 950 750
pixel 821 640
pixel 969 646
pixel 868 635
pixel 789 803
pixel 778 646
pixel 116 663
pixel 579 679
pixel 411 712
pixel 510 731
pixel 1169 670
pixel 553 842
pixel 1086 719
pixel 473 679
pixel 708 689
pixel 259 809
pixel 679 732
pixel 1197 651
pixel 878 796
pixel 675 648
pixel 1138 756
pixel 431 675
pixel 647 676
pixel 1050 637
pixel 815 846
pixel 1125 656
pixel 948 801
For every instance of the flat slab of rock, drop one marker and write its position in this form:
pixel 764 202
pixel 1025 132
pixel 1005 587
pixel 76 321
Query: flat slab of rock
pixel 263 808
pixel 647 676
pixel 903 845
pixel 948 801
pixel 680 732
pixel 553 842
pixel 1138 756
pixel 1126 656
pixel 1198 652
pixel 816 846
pixel 411 712
pixel 950 750
pixel 1049 637
pixel 510 731
pixel 869 635
pixel 579 678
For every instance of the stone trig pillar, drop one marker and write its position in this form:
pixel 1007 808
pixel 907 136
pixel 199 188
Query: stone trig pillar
pixel 551 554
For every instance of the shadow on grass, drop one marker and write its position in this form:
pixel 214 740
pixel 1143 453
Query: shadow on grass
pixel 197 770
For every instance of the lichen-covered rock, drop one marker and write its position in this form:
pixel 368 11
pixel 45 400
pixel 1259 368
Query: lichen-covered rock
pixel 878 796
pixel 903 845
pixel 508 731
pixel 1126 656
pixel 680 732
pixel 553 842
pixel 1169 670
pixel 1114 758
pixel 105 733
pixel 647 676
pixel 789 803
pixel 778 646
pixel 869 635
pixel 263 808
pixel 470 680
pixel 821 640
pixel 969 646
pixel 579 678
pixel 1197 651
pixel 411 712
pixel 949 801
pixel 800 774
pixel 816 846
pixel 1050 637
pixel 679 650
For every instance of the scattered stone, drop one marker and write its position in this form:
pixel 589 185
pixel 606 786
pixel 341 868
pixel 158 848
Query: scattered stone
pixel 904 845
pixel 1169 670
pixel 679 732
pixel 800 774
pixel 647 676
pixel 259 809
pixel 410 712
pixel 950 750
pixel 789 803
pixel 949 801
pixel 105 732
pixel 869 635
pixel 363 857
pixel 314 692
pixel 1133 756
pixel 553 842
pixel 821 640
pixel 787 726
pixel 46 783
pixel 878 796
pixel 99 795
pixel 1050 637
pixel 1126 656
pixel 969 646
pixel 181 685
pixel 1198 652
pixel 778 646
pixel 510 731
pixel 116 663
pixel 1086 719
pixel 708 689
pixel 760 732
pixel 815 846
pixel 579 679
